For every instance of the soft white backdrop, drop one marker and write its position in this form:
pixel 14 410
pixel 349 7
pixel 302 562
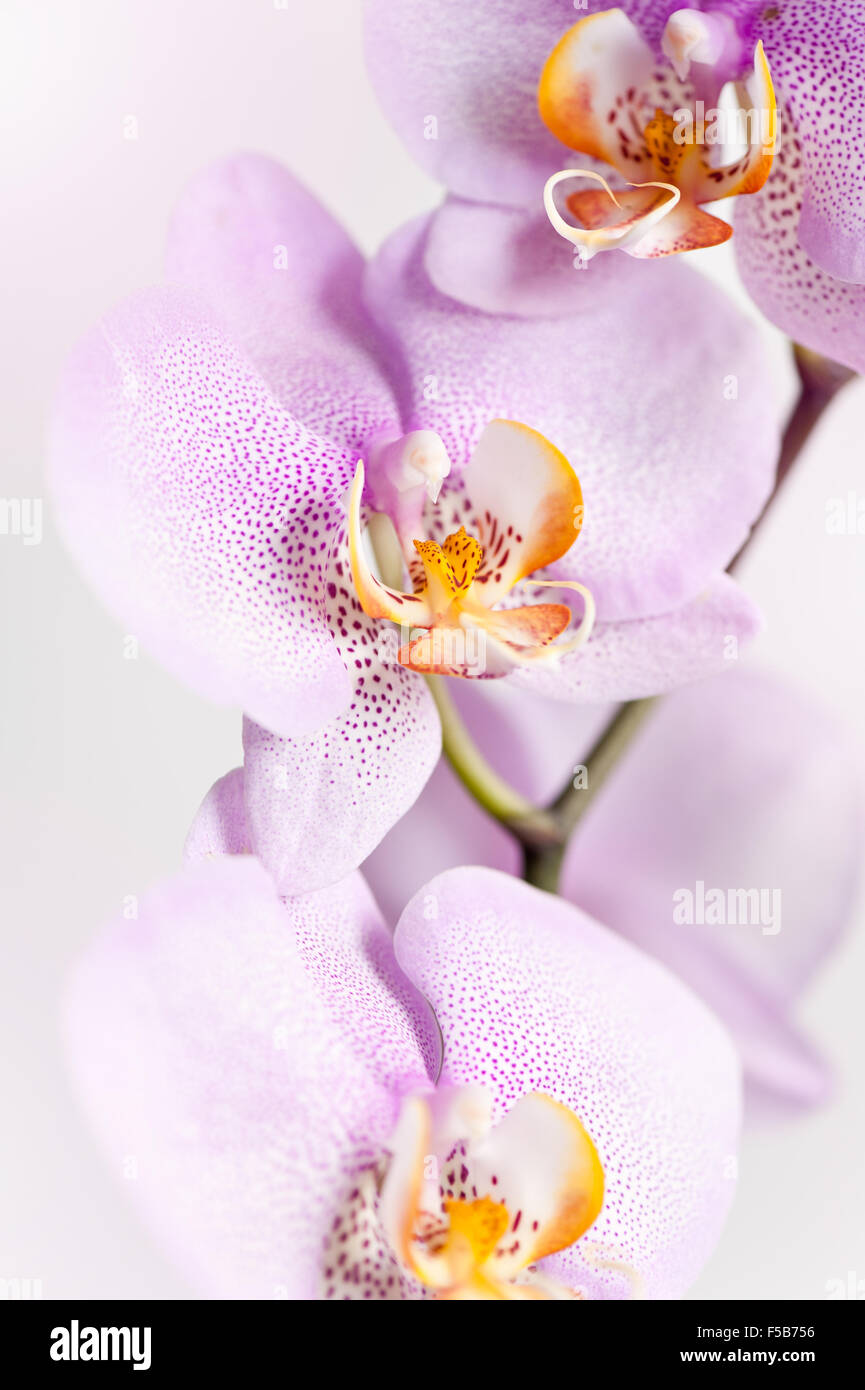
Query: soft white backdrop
pixel 105 759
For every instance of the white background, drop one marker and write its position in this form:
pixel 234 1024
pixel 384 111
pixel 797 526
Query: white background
pixel 106 759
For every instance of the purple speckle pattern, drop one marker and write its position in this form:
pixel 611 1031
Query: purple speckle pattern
pixel 358 1264
pixel 816 50
pixel 317 806
pixel 531 994
pixel 823 313
pixel 203 509
pixel 248 1057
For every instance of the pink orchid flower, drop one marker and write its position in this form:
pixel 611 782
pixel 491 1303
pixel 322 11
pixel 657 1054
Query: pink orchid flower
pixel 205 446
pixel 503 1100
pixel 461 86
pixel 727 845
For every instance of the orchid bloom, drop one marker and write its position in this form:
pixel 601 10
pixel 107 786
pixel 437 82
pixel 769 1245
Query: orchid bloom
pixel 204 449
pixel 481 69
pixel 603 94
pixel 742 785
pixel 502 1100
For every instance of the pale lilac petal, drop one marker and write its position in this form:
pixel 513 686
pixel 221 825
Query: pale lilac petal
pixel 739 783
pixel 285 278
pixel 674 435
pixel 822 313
pixel 533 995
pixel 201 511
pixel 625 661
pixel 241 1058
pixel 317 806
pixel 459 85
pixel 511 261
pixel 220 822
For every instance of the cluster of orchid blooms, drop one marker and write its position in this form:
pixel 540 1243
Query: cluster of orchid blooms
pixel 355 1055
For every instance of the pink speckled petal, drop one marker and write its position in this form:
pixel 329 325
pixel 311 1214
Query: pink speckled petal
pixel 531 994
pixel 817 52
pixel 220 822
pixel 459 85
pixel 672 470
pixel 822 313
pixel 624 661
pixel 740 783
pixel 285 279
pixel 246 1056
pixel 317 806
pixel 201 511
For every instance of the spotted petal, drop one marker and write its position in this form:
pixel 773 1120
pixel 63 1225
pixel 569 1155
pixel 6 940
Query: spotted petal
pixel 532 995
pixel 285 280
pixel 817 49
pixel 318 805
pixel 201 510
pixel 804 300
pixel 248 1056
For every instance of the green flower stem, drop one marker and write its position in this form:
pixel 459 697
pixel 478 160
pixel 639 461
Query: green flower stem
pixel 543 864
pixel 531 826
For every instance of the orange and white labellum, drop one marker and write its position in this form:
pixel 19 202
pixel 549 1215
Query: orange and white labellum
pixel 459 1215
pixel 526 511
pixel 602 95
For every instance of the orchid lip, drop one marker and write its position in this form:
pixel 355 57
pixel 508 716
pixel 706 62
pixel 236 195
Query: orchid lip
pixel 600 93
pixel 461 1209
pixel 450 623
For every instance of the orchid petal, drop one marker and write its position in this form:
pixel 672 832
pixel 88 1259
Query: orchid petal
pixel 533 995
pixel 726 785
pixel 250 1056
pixel 201 511
pixel 285 279
pixel 822 313
pixel 507 261
pixel 526 505
pixel 220 826
pixel 816 48
pixel 318 805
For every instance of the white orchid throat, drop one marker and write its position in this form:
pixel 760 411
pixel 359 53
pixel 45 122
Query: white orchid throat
pixel 523 503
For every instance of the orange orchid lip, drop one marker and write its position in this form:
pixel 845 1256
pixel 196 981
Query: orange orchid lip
pixel 450 622
pixel 601 94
